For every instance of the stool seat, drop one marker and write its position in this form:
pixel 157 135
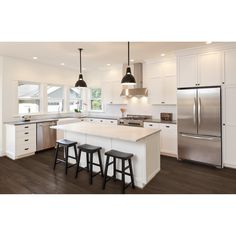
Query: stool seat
pixel 89 148
pixel 66 142
pixel 118 154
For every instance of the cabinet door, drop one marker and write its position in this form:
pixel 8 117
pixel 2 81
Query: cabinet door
pixel 210 69
pixel 107 92
pixel 116 91
pixel 230 67
pixel 155 91
pixel 169 139
pixel 230 108
pixel 230 147
pixel 187 71
pixel 169 90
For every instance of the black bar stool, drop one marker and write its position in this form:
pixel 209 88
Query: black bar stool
pixel 89 150
pixel 66 144
pixel 123 157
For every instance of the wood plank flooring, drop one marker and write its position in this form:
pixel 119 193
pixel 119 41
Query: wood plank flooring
pixel 35 175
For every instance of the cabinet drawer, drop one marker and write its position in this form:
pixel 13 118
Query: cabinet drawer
pixel 151 125
pixel 22 128
pixel 26 133
pixel 23 149
pixel 25 141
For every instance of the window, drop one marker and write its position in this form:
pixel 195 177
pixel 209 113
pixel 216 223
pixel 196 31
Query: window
pixel 28 98
pixel 55 98
pixel 75 99
pixel 96 99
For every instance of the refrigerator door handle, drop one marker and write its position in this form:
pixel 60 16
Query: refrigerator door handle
pixel 194 110
pixel 201 137
pixel 199 111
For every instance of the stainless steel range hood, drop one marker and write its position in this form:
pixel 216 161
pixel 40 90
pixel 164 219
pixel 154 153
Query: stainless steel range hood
pixel 138 90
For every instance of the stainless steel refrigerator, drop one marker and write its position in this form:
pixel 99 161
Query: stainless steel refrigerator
pixel 199 125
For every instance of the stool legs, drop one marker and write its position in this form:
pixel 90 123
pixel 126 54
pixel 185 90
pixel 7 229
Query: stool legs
pixel 78 162
pixel 66 159
pixel 105 174
pixel 123 176
pixel 56 154
pixel 131 173
pixel 100 162
pixel 91 169
pixel 114 168
pixel 87 160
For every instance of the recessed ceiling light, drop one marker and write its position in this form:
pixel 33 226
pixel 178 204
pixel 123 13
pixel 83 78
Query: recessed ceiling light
pixel 208 42
pixel 62 64
pixel 35 58
pixel 163 54
pixel 132 60
pixel 108 64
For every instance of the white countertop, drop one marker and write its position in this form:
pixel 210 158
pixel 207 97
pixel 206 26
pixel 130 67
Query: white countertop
pixel 127 133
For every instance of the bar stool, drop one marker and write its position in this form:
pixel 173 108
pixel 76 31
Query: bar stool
pixel 89 150
pixel 66 144
pixel 123 157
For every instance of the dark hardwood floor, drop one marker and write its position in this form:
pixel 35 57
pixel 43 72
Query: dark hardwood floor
pixel 35 175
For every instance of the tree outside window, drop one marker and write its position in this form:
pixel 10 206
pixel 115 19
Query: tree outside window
pixel 96 99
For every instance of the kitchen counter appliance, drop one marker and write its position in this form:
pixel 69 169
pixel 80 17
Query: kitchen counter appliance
pixel 46 137
pixel 199 125
pixel 133 120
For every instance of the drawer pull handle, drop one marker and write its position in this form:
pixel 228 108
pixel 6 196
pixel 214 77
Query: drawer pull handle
pixel 101 120
pixel 26 149
pixel 26 132
pixel 26 140
pixel 26 127
pixel 167 126
pixel 150 125
pixel 112 121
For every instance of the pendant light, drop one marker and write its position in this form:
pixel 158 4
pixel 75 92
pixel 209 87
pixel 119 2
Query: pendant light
pixel 80 82
pixel 128 79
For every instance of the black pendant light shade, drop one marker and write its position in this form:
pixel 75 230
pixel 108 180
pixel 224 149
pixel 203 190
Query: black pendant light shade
pixel 80 82
pixel 128 79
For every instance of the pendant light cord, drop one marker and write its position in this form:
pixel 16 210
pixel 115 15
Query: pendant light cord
pixel 80 68
pixel 128 53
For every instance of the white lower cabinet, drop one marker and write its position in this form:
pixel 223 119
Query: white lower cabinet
pixel 20 140
pixel 168 137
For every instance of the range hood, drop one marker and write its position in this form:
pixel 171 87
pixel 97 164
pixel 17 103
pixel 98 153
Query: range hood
pixel 138 90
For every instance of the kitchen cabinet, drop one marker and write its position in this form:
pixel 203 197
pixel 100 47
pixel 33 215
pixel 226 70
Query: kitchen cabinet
pixel 162 90
pixel 204 69
pixel 20 140
pixel 168 137
pixel 229 127
pixel 111 93
pixel 230 67
pixel 187 71
pixel 210 69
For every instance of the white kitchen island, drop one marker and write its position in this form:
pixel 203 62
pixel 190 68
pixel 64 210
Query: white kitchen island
pixel 142 142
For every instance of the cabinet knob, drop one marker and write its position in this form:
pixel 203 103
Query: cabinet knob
pixel 167 126
pixel 163 102
pixel 26 132
pixel 150 125
pixel 223 124
pixel 26 149
pixel 101 120
pixel 223 82
pixel 26 140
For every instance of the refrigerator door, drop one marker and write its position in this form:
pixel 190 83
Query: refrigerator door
pixel 209 111
pixel 205 149
pixel 187 110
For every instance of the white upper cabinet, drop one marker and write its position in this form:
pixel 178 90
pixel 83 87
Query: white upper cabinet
pixel 161 82
pixel 230 108
pixel 210 69
pixel 111 93
pixel 230 67
pixel 200 70
pixel 187 71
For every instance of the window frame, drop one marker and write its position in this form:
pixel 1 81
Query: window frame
pixel 33 98
pixel 100 99
pixel 69 100
pixel 63 99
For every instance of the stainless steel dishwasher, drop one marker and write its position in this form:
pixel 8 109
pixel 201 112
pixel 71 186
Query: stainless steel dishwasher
pixel 46 137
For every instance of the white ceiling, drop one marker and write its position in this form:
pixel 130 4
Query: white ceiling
pixel 94 55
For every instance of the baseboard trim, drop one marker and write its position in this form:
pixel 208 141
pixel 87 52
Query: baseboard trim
pixel 229 166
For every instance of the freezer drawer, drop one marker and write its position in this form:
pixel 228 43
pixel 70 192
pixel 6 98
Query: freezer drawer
pixel 205 149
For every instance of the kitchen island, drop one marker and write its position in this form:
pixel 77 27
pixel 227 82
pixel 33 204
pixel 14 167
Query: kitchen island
pixel 143 143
